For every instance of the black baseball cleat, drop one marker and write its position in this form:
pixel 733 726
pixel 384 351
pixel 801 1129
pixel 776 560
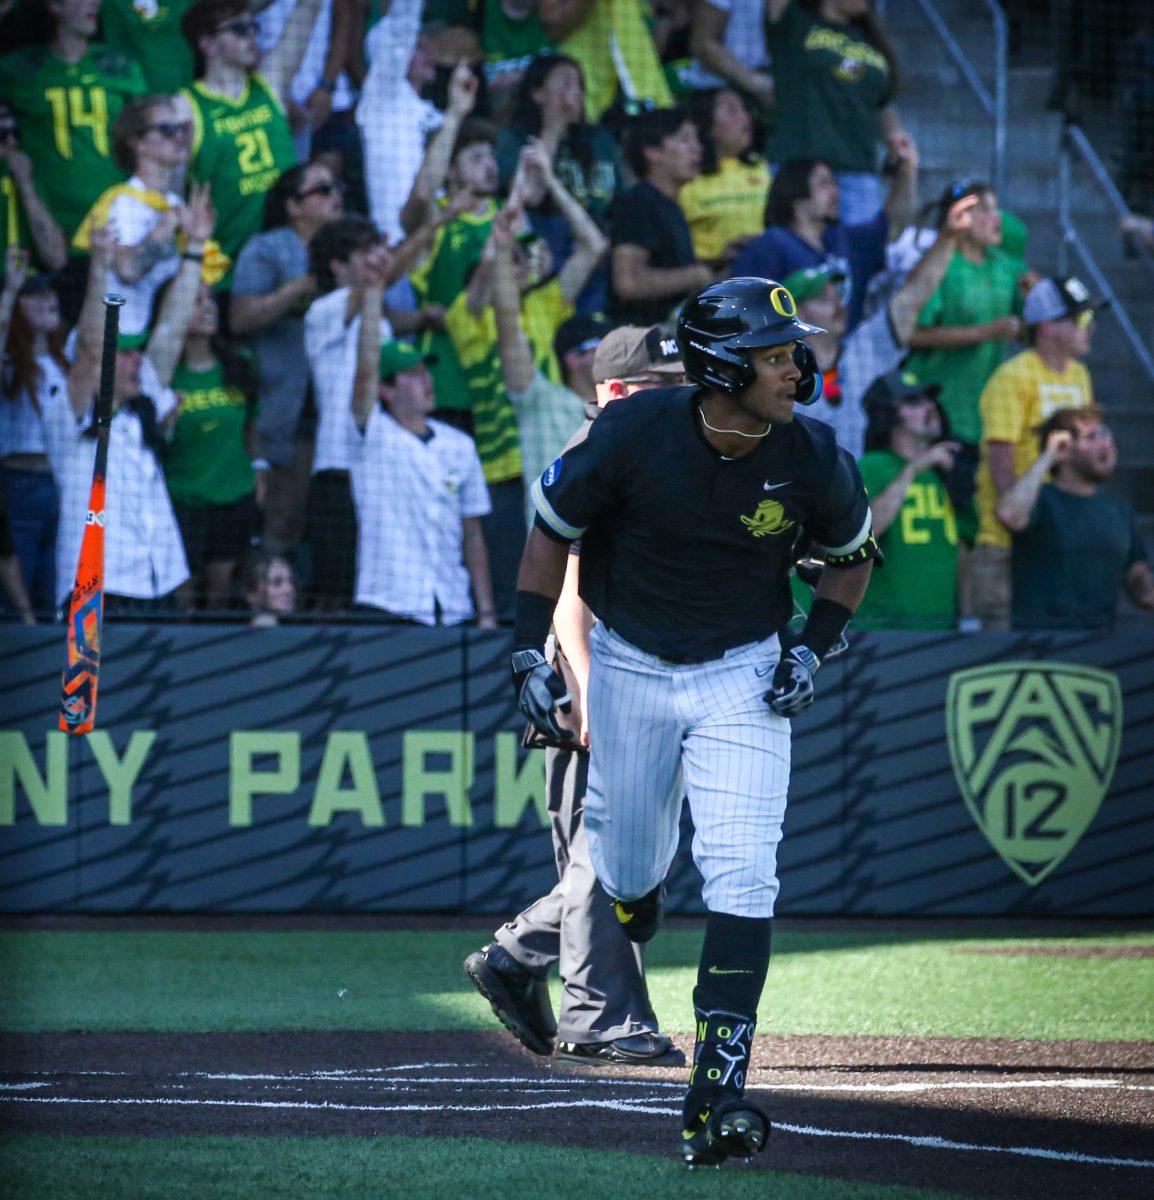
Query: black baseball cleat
pixel 732 1129
pixel 519 999
pixel 637 1050
pixel 641 918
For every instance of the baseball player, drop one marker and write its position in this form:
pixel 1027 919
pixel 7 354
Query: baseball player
pixel 688 503
pixel 606 1016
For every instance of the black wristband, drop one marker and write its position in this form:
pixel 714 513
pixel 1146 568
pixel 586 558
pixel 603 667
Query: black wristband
pixel 532 620
pixel 196 258
pixel 825 624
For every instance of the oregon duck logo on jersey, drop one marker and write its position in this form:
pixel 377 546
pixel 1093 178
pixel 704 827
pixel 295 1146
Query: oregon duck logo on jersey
pixel 1033 746
pixel 769 518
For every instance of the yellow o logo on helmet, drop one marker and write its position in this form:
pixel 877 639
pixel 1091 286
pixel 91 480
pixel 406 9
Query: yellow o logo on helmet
pixel 782 302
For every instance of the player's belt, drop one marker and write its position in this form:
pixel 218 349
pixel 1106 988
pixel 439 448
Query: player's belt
pixel 687 660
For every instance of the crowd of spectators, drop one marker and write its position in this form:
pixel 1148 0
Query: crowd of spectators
pixel 369 249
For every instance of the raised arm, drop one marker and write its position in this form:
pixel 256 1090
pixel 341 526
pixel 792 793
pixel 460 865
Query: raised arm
pixel 591 243
pixel 775 10
pixel 47 235
pixel 513 347
pixel 366 382
pixel 283 61
pixel 84 374
pixel 166 342
pixel 435 164
pixel 902 201
pixel 1016 506
pixel 15 272
pixel 926 277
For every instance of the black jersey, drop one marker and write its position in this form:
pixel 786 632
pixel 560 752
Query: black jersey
pixel 686 553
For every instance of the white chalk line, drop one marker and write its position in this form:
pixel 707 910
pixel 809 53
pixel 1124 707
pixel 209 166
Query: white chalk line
pixel 643 1104
pixel 940 1143
pixel 562 1082
pixel 646 1104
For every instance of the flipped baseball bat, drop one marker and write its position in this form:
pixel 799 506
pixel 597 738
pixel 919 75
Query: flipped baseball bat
pixel 86 604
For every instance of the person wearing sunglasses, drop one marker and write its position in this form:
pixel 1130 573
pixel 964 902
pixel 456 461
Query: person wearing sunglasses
pixel 1074 542
pixel 272 290
pixel 242 140
pixel 1021 394
pixel 150 143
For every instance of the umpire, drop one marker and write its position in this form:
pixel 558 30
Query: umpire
pixel 606 1016
pixel 689 503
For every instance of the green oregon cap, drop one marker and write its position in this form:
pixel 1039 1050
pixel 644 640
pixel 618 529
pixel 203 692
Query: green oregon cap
pixel 132 341
pixel 805 285
pixel 397 357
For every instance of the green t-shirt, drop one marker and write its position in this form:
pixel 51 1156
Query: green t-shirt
pixel 917 588
pixel 830 84
pixel 969 294
pixel 241 147
pixel 66 115
pixel 441 277
pixel 148 32
pixel 508 46
pixel 207 461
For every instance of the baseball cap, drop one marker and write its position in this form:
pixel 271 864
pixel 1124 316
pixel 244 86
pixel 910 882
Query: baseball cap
pixel 1052 299
pixel 580 333
pixel 810 283
pixel 896 386
pixel 132 341
pixel 397 357
pixel 632 350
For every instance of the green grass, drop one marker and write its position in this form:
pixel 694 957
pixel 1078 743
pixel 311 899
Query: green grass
pixel 71 1168
pixel 913 984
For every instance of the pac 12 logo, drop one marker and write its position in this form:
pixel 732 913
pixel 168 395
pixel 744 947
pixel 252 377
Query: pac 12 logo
pixel 1034 746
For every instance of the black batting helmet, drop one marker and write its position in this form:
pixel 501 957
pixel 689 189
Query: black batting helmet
pixel 717 326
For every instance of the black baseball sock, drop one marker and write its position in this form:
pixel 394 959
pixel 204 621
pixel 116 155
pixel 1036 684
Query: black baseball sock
pixel 734 962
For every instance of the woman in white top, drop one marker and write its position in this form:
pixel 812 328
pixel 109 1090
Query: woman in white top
pixel 33 370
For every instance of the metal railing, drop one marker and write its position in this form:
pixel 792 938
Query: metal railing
pixel 1075 143
pixel 993 104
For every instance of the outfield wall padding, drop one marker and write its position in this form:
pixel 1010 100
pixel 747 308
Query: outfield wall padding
pixel 368 768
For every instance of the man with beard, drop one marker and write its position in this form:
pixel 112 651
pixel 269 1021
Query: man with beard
pixel 1074 542
pixel 903 469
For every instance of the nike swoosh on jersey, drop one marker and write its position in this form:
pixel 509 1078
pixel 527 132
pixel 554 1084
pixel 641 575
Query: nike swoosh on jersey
pixel 728 971
pixel 772 487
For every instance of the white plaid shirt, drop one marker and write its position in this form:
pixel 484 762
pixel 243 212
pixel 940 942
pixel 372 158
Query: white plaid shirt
pixel 21 422
pixel 869 351
pixel 411 497
pixel 143 550
pixel 331 346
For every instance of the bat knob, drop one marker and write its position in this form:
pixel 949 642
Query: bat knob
pixel 113 300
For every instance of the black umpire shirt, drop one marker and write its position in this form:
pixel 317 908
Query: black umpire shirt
pixel 685 553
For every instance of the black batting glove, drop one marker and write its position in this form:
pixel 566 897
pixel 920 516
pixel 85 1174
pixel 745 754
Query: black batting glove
pixel 540 692
pixel 791 691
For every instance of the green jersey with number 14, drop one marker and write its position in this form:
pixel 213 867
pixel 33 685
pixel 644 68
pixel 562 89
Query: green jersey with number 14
pixel 66 115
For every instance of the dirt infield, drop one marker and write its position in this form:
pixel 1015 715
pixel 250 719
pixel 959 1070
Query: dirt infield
pixel 1006 1119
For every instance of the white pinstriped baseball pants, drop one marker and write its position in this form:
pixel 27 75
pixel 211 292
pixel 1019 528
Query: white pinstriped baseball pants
pixel 652 724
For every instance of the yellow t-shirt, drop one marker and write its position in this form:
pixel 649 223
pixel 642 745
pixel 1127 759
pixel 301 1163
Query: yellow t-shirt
pixel 1019 396
pixel 725 205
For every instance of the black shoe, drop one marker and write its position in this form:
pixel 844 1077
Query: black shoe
pixel 640 918
pixel 637 1050
pixel 732 1128
pixel 519 999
